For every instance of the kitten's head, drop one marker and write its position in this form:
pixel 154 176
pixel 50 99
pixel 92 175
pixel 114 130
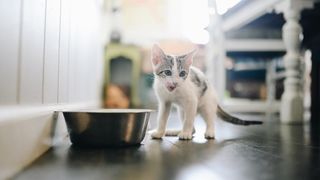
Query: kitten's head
pixel 171 70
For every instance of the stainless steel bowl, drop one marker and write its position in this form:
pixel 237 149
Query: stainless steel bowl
pixel 107 127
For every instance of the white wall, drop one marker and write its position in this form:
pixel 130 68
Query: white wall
pixel 50 52
pixel 51 57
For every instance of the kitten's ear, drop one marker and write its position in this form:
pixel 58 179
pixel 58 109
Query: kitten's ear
pixel 189 57
pixel 157 54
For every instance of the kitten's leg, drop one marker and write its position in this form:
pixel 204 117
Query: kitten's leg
pixel 175 132
pixel 163 114
pixel 208 114
pixel 190 114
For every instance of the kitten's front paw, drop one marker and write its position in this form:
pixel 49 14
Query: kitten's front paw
pixel 209 134
pixel 172 132
pixel 185 135
pixel 157 135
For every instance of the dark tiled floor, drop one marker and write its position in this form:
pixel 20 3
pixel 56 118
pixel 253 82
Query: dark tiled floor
pixel 270 151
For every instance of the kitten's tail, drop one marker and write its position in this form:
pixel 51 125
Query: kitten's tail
pixel 234 120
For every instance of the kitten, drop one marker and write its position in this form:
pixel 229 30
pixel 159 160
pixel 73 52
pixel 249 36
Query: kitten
pixel 178 82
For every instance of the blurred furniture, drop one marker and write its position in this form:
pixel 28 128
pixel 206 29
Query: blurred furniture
pixel 255 81
pixel 311 33
pixel 286 27
pixel 131 57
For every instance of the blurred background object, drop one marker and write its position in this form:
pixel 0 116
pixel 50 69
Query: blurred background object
pixel 261 56
pixel 240 47
pixel 116 97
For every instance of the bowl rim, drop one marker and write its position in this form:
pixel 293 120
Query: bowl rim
pixel 105 110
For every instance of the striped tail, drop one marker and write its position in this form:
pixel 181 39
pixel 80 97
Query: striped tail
pixel 234 120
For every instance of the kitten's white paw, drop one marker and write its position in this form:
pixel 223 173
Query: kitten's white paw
pixel 209 134
pixel 172 132
pixel 157 134
pixel 185 135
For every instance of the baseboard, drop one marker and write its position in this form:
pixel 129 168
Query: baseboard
pixel 26 132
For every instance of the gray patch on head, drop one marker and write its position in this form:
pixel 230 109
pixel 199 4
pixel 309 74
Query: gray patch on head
pixel 201 84
pixel 169 60
pixel 181 65
pixel 166 64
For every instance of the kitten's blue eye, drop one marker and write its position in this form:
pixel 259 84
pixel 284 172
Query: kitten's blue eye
pixel 167 72
pixel 182 74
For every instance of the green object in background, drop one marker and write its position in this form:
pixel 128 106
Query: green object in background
pixel 115 50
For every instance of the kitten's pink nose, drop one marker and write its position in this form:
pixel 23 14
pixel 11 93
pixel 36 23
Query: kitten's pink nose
pixel 172 86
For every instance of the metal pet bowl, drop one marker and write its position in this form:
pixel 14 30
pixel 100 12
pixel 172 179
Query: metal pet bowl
pixel 107 127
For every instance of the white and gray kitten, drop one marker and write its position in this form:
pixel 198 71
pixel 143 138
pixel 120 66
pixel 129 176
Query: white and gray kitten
pixel 178 82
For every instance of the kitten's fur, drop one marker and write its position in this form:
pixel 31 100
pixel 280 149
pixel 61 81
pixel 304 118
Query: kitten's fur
pixel 178 82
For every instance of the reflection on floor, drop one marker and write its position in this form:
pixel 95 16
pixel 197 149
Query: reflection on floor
pixel 268 151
